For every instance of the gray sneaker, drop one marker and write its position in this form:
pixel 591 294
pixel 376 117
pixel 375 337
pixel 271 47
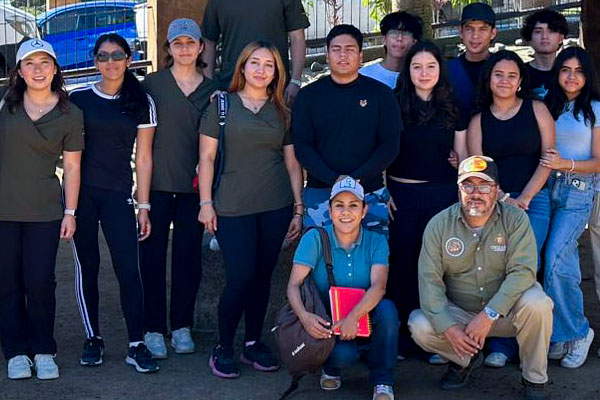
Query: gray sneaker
pixel 330 382
pixel 45 367
pixel 557 350
pixel 182 341
pixel 19 367
pixel 578 351
pixel 383 392
pixel 496 360
pixel 155 342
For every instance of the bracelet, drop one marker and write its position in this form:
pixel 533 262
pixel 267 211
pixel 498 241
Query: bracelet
pixel 206 202
pixel 69 211
pixel 572 165
pixel 506 196
pixel 296 82
pixel 143 206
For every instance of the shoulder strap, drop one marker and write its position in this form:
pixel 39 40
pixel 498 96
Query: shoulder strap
pixel 222 107
pixel 326 252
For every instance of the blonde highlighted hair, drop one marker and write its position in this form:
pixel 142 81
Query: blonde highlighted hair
pixel 275 89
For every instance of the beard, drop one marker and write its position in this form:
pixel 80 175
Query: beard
pixel 474 212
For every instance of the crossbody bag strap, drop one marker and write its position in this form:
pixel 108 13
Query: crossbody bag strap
pixel 222 109
pixel 327 257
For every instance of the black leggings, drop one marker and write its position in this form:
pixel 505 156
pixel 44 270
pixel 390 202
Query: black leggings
pixel 416 204
pixel 114 210
pixel 251 245
pixel 27 285
pixel 186 260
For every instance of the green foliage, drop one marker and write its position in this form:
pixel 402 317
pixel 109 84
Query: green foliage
pixel 378 8
pixel 458 3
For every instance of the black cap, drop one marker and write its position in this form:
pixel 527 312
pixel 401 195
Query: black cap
pixel 478 12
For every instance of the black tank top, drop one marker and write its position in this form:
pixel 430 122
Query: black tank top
pixel 514 144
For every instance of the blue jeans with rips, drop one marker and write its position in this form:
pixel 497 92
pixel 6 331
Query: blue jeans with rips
pixel 572 200
pixel 380 349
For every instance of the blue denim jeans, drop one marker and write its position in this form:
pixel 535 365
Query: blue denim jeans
pixel 380 349
pixel 572 199
pixel 539 218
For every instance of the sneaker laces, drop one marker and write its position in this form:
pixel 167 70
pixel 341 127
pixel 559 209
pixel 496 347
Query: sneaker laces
pixel 384 389
pixel 21 362
pixel 142 353
pixel 44 361
pixel 154 338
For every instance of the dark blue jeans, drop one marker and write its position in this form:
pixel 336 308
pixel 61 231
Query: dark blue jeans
pixel 381 348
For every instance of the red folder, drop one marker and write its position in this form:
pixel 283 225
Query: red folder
pixel 343 300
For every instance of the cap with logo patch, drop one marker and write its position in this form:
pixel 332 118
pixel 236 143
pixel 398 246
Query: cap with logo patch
pixel 183 27
pixel 478 166
pixel 350 185
pixel 31 46
pixel 478 12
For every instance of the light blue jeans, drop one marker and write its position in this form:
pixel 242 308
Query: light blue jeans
pixel 539 218
pixel 572 197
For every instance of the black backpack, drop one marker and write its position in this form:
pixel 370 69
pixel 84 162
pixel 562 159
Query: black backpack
pixel 300 352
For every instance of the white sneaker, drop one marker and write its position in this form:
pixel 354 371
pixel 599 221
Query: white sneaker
pixel 557 350
pixel 45 366
pixel 330 382
pixel 155 342
pixel 436 359
pixel 383 392
pixel 496 360
pixel 578 351
pixel 19 367
pixel 182 341
pixel 214 244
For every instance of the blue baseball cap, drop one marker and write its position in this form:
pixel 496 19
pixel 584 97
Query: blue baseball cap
pixel 183 27
pixel 348 184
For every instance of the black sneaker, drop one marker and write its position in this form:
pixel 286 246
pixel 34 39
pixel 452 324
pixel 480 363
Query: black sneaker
pixel 259 357
pixel 457 377
pixel 141 358
pixel 222 363
pixel 536 391
pixel 93 350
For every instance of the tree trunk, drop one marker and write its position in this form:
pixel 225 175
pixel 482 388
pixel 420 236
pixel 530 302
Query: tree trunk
pixel 421 8
pixel 590 17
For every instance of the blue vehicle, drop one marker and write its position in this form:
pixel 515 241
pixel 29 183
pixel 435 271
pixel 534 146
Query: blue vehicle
pixel 73 29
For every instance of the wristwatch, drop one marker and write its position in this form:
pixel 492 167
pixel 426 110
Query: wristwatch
pixel 491 314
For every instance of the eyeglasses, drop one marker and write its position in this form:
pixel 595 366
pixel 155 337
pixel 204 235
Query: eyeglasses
pixel 104 56
pixel 470 189
pixel 395 34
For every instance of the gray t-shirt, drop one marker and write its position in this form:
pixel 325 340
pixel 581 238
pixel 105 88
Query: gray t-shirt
pixel 254 177
pixel 241 22
pixel 175 153
pixel 29 151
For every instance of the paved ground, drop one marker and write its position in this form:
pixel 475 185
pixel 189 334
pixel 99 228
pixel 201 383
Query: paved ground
pixel 187 377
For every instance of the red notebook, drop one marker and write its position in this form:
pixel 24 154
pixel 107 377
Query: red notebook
pixel 343 300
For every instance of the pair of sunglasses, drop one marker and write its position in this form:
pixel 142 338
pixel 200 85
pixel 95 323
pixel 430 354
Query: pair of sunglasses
pixel 104 56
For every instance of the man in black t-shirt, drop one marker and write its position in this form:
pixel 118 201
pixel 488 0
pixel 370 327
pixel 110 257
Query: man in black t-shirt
pixel 236 23
pixel 346 124
pixel 477 31
pixel 545 31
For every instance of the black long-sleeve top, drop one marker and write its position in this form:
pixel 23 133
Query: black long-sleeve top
pixel 351 129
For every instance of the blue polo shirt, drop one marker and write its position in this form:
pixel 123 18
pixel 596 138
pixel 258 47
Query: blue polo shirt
pixel 351 268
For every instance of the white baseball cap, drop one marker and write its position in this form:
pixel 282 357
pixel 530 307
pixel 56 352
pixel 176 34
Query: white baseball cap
pixel 348 184
pixel 31 46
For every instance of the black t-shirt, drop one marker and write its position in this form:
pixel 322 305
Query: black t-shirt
pixel 110 134
pixel 352 129
pixel 538 82
pixel 472 68
pixel 424 151
pixel 514 144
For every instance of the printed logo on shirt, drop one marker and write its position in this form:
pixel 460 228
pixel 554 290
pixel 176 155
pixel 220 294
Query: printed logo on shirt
pixel 363 103
pixel 130 201
pixel 499 243
pixel 454 247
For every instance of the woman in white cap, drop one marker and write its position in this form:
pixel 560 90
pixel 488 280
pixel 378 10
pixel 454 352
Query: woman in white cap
pixel 38 125
pixel 117 113
pixel 181 93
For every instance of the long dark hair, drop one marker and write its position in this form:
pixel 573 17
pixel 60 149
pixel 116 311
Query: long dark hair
pixel 168 61
pixel 131 96
pixel 486 97
pixel 17 88
pixel 557 100
pixel 441 108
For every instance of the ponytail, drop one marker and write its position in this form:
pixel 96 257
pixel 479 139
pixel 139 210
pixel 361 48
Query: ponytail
pixel 132 96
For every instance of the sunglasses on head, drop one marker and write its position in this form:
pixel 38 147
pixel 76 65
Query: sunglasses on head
pixel 104 56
